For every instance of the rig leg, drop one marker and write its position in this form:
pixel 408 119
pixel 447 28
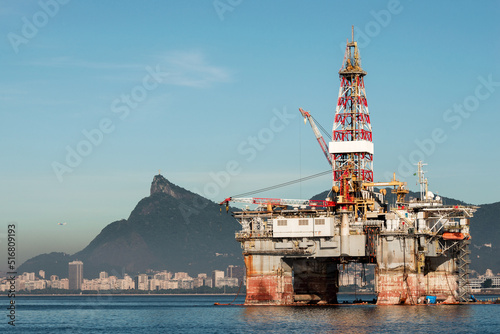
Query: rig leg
pixel 269 281
pixel 398 286
pixel 395 287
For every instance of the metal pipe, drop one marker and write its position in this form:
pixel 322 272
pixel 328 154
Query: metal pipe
pixel 344 234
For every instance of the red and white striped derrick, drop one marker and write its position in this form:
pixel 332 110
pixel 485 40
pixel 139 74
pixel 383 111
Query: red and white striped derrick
pixel 352 146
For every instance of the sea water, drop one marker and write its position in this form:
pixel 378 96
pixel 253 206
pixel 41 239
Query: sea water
pixel 198 314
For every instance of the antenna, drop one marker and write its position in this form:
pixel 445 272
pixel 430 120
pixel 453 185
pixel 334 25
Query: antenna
pixel 422 180
pixel 352 33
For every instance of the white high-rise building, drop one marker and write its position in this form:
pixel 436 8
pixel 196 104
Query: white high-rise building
pixel 217 276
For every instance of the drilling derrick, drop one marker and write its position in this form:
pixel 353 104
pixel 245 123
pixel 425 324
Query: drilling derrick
pixel 351 146
pixel 294 249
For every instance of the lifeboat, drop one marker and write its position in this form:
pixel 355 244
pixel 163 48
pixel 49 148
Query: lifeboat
pixel 454 236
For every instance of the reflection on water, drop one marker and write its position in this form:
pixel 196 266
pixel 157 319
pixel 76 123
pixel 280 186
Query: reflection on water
pixel 198 314
pixel 374 319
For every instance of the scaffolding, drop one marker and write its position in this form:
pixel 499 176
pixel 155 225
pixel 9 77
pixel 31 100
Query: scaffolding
pixel 463 260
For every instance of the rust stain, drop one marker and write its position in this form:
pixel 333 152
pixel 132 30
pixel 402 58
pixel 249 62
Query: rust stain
pixel 249 265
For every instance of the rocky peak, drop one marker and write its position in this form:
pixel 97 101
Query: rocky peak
pixel 161 185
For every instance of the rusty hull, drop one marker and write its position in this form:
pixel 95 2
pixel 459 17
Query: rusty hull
pixel 410 289
pixel 268 281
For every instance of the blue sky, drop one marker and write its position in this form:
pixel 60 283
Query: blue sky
pixel 208 92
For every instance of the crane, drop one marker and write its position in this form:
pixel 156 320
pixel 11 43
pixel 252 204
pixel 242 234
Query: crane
pixel 319 137
pixel 278 202
pixel 400 191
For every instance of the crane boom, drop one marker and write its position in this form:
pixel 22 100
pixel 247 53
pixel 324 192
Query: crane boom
pixel 319 137
pixel 278 201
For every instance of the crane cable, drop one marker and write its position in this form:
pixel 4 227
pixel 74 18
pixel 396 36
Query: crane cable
pixel 321 128
pixel 306 178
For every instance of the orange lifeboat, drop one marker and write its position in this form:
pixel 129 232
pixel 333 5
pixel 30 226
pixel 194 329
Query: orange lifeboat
pixel 453 236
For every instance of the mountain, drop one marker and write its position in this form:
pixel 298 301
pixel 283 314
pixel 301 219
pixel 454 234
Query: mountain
pixel 177 230
pixel 485 238
pixel 172 229
pixel 484 229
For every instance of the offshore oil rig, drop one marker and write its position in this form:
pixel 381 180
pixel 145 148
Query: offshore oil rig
pixel 293 249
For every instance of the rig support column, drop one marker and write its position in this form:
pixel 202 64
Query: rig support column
pixel 398 280
pixel 269 280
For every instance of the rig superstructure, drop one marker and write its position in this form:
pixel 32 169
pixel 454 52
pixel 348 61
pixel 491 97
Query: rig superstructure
pixel 293 248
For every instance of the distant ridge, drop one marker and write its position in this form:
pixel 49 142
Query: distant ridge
pixel 172 229
pixel 177 230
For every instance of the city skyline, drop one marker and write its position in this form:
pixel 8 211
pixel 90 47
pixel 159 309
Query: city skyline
pixel 165 280
pixel 233 276
pixel 90 112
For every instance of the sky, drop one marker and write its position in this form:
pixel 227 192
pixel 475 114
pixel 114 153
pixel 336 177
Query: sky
pixel 97 97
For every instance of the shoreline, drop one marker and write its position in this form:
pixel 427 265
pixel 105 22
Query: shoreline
pixel 153 294
pixel 122 294
pixel 186 294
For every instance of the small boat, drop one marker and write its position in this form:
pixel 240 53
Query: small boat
pixel 453 236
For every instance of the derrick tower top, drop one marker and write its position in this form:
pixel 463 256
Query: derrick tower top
pixel 352 61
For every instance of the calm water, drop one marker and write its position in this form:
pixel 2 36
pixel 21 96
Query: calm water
pixel 197 314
